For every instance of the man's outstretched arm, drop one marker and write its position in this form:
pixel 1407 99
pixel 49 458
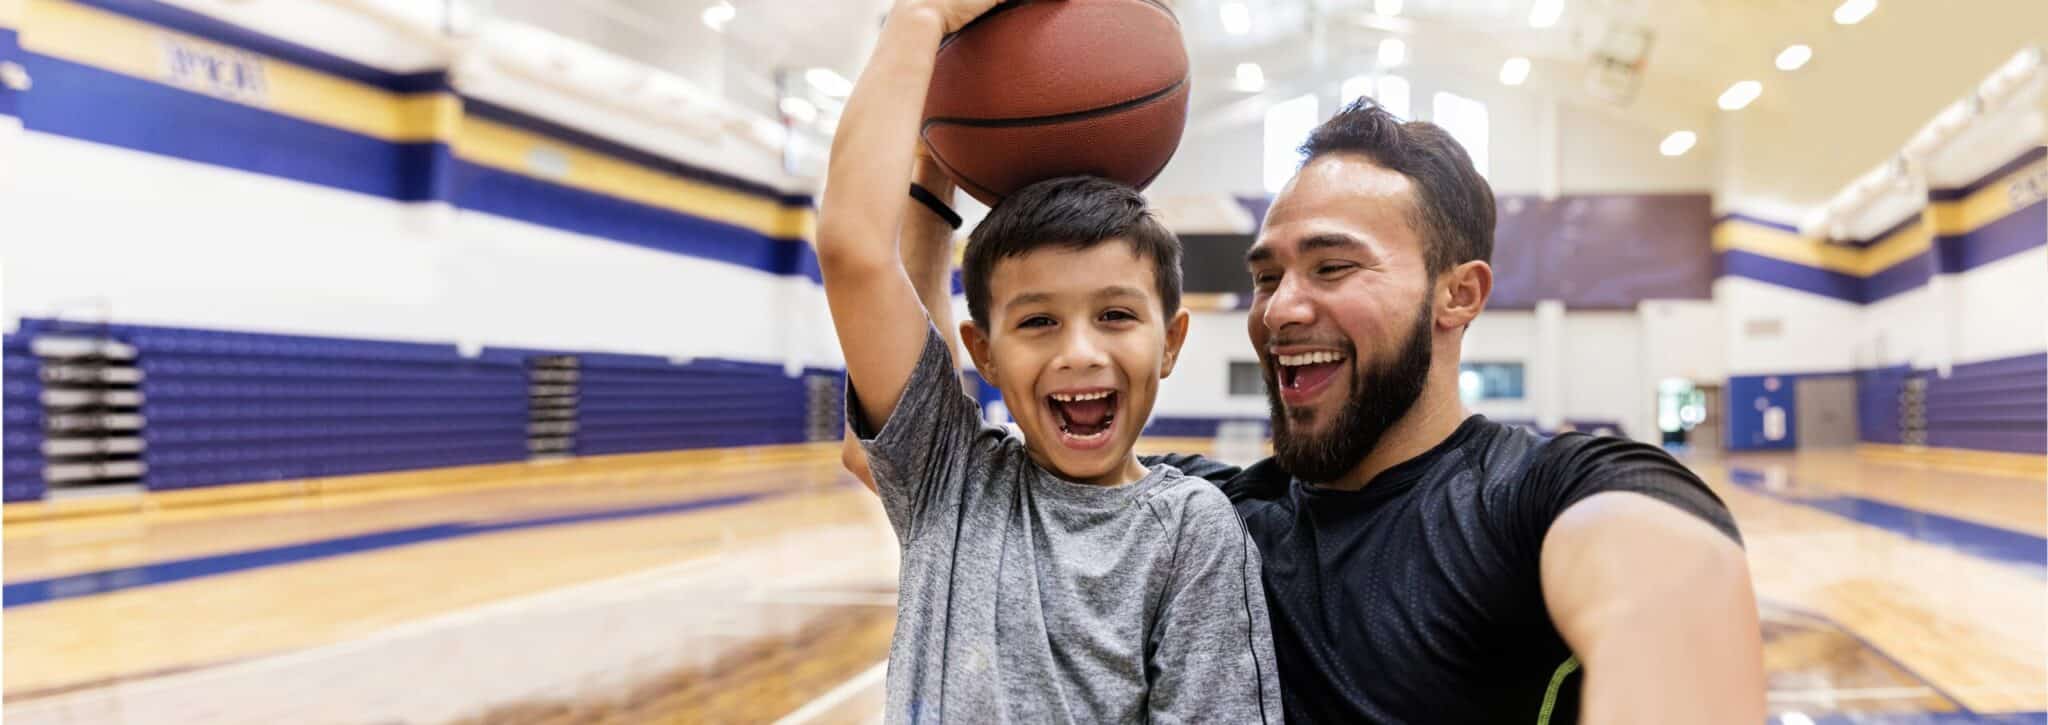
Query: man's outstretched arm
pixel 1657 605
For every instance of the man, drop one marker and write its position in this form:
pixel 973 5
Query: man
pixel 1426 565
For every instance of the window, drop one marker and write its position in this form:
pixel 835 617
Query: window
pixel 1354 88
pixel 1392 93
pixel 1466 120
pixel 1288 123
pixel 1489 381
pixel 1247 379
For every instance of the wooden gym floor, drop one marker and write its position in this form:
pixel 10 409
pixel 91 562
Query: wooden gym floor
pixel 758 586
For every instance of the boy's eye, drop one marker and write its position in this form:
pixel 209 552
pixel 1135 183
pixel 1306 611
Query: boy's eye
pixel 1265 279
pixel 1118 316
pixel 1035 321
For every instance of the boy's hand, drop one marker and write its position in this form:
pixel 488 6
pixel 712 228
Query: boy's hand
pixel 953 14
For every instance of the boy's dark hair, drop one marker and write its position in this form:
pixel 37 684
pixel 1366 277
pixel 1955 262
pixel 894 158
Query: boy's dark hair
pixel 1075 212
pixel 1454 204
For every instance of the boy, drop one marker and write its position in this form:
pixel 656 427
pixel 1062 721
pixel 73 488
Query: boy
pixel 1049 578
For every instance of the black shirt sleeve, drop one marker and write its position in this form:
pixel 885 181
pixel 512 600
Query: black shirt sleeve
pixel 1573 466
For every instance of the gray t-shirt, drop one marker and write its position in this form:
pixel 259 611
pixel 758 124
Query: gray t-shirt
pixel 1029 599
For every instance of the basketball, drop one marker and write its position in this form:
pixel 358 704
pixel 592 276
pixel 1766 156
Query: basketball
pixel 1040 89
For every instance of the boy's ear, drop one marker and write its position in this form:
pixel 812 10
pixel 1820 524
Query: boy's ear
pixel 1176 335
pixel 976 343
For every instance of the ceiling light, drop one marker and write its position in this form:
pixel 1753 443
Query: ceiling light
pixel 716 16
pixel 1387 8
pixel 1740 94
pixel 1393 52
pixel 829 82
pixel 1794 57
pixel 1250 77
pixel 1514 71
pixel 800 109
pixel 1237 19
pixel 1851 12
pixel 1678 143
pixel 1544 13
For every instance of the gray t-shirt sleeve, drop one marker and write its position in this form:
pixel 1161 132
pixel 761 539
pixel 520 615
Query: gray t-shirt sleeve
pixel 918 456
pixel 1211 658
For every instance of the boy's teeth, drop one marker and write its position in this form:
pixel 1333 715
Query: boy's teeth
pixel 1075 398
pixel 1311 358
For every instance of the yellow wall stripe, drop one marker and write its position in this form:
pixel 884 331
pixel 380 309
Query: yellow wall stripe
pixel 116 43
pixel 1992 203
pixel 111 42
pixel 510 149
pixel 10 13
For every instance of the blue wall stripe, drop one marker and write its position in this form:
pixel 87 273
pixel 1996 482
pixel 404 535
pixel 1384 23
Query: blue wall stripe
pixel 38 591
pixel 1823 282
pixel 516 196
pixel 1758 221
pixel 2017 232
pixel 210 28
pixel 1990 177
pixel 1969 537
pixel 527 122
pixel 1909 274
pixel 10 50
pixel 110 108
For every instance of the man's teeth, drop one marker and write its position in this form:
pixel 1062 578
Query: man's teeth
pixel 1311 358
pixel 1076 398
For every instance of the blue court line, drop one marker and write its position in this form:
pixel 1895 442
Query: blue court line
pixel 1969 537
pixel 37 591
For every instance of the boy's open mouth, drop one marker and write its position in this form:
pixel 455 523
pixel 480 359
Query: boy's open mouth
pixel 1085 417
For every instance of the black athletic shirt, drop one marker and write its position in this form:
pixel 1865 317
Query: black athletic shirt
pixel 1417 598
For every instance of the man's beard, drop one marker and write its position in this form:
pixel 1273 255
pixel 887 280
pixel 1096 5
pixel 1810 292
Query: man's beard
pixel 1380 396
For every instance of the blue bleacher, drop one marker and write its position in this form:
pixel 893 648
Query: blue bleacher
pixel 21 407
pixel 1994 405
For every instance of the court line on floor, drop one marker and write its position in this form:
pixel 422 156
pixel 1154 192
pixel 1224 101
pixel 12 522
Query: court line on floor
pixel 37 591
pixel 837 696
pixel 1982 541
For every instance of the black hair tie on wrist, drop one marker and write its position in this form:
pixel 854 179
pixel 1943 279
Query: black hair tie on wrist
pixel 931 201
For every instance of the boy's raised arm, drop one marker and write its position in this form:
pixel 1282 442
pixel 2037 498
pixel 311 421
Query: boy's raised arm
pixel 875 310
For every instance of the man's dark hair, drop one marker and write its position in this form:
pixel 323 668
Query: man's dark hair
pixel 1454 204
pixel 1074 213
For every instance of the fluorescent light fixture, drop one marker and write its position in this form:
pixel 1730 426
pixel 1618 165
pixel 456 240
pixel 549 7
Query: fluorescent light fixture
pixel 1250 77
pixel 1386 8
pixel 716 16
pixel 1678 143
pixel 1851 12
pixel 800 109
pixel 1393 52
pixel 1514 71
pixel 1237 19
pixel 1741 94
pixel 1794 57
pixel 829 82
pixel 1544 13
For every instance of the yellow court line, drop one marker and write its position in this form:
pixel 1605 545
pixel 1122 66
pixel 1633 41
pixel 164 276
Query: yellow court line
pixel 425 482
pixel 510 149
pixel 2022 465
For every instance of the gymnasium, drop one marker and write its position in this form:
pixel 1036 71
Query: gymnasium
pixel 468 361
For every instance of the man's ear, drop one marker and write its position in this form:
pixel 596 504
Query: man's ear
pixel 1467 287
pixel 1176 335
